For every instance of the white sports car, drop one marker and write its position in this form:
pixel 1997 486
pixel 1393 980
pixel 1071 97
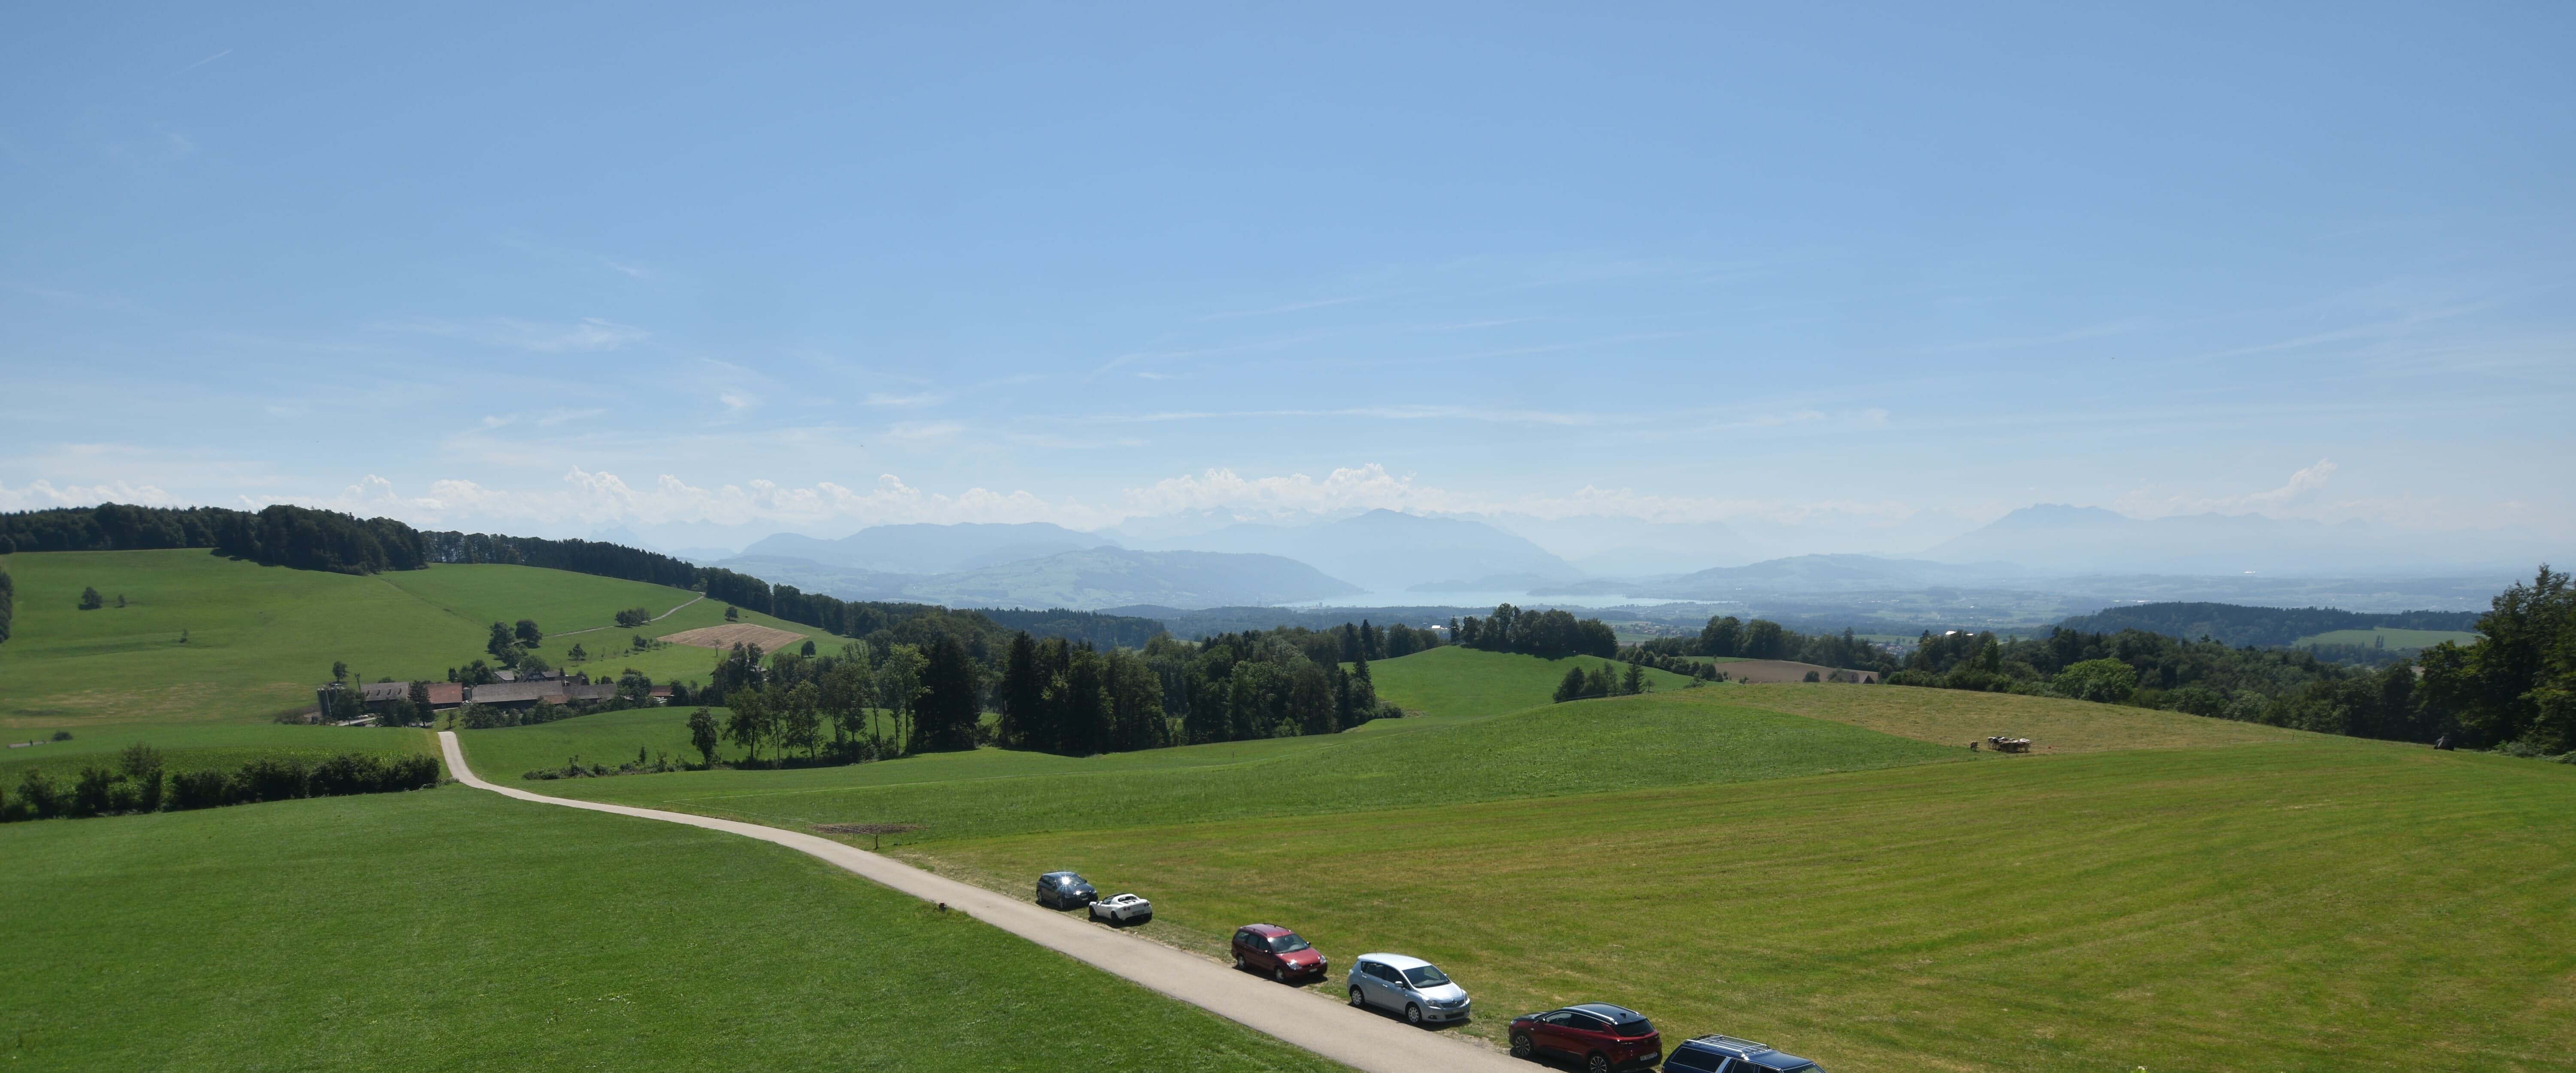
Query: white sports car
pixel 1122 909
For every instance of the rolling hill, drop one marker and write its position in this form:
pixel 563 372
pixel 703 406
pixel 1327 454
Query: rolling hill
pixel 207 638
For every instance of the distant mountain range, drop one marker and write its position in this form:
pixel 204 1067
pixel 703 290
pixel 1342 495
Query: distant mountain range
pixel 929 549
pixel 1390 551
pixel 2054 538
pixel 1087 579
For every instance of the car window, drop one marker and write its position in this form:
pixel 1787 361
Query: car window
pixel 1637 1027
pixel 1286 944
pixel 1553 1017
pixel 1384 972
pixel 1695 1061
pixel 1426 976
pixel 1588 1023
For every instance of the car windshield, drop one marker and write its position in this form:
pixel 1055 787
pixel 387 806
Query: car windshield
pixel 1068 881
pixel 1426 976
pixel 1638 1027
pixel 1286 944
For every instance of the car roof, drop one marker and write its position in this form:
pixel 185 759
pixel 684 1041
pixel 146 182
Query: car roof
pixel 1745 1048
pixel 1052 875
pixel 1396 961
pixel 1265 929
pixel 1615 1013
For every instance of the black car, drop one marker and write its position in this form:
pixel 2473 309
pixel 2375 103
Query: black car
pixel 1066 890
pixel 1727 1054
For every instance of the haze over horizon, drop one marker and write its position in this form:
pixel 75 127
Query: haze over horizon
pixel 1835 284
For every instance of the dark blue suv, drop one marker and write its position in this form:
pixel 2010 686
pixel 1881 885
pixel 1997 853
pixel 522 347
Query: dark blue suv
pixel 1727 1054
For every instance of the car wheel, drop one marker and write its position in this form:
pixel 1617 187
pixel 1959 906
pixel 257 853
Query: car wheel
pixel 1600 1063
pixel 1412 1014
pixel 1239 966
pixel 1522 1047
pixel 1359 1000
pixel 1280 974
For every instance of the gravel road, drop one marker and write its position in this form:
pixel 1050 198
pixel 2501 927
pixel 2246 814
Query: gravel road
pixel 1356 1038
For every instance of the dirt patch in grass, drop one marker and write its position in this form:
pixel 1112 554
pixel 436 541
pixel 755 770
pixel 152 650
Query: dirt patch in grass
pixel 735 633
pixel 1957 717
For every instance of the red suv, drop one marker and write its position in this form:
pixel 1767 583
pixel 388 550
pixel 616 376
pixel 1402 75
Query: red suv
pixel 1601 1036
pixel 1269 948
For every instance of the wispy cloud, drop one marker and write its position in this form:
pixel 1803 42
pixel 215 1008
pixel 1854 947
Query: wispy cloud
pixel 560 415
pixel 913 401
pixel 199 63
pixel 1290 307
pixel 589 334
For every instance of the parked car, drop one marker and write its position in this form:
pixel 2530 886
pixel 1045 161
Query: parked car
pixel 1122 909
pixel 1269 948
pixel 1407 985
pixel 1066 890
pixel 1601 1036
pixel 1727 1054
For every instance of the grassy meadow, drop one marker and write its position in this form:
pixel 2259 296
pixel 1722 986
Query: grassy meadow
pixel 440 930
pixel 1463 681
pixel 1586 747
pixel 257 639
pixel 186 746
pixel 2319 905
pixel 2388 636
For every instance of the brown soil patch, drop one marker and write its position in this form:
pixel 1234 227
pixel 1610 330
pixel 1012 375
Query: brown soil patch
pixel 730 634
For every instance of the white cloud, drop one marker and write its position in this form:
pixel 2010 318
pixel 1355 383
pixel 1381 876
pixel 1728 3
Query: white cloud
pixel 879 398
pixel 2150 502
pixel 44 495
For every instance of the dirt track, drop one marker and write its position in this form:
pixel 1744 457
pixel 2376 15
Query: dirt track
pixel 1361 1040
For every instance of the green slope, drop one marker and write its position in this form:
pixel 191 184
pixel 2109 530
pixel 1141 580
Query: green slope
pixel 1455 681
pixel 2322 905
pixel 1587 746
pixel 259 638
pixel 186 746
pixel 453 929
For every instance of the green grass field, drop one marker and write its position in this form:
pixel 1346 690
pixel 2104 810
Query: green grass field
pixel 185 746
pixel 1451 680
pixel 453 929
pixel 259 638
pixel 2389 637
pixel 1583 747
pixel 2318 905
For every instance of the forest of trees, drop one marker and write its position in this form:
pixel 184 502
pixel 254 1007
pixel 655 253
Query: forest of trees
pixel 278 535
pixel 8 603
pixel 2515 687
pixel 1726 635
pixel 2262 627
pixel 1551 634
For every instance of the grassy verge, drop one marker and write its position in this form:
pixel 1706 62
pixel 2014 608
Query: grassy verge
pixel 2315 905
pixel 442 930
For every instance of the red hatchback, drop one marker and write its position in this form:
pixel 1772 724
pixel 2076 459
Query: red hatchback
pixel 1601 1036
pixel 1276 951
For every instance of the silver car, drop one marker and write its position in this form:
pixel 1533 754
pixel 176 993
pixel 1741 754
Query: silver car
pixel 1407 985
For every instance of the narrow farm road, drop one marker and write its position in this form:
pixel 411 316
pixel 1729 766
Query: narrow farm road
pixel 1355 1038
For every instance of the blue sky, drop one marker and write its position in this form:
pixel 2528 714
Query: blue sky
pixel 1868 276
